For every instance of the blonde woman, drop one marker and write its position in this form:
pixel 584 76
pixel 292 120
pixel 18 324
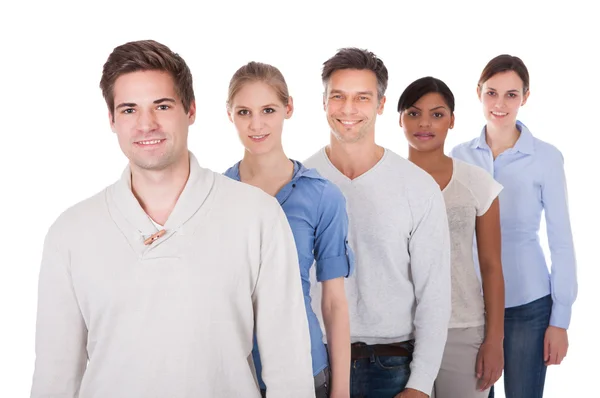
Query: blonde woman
pixel 257 105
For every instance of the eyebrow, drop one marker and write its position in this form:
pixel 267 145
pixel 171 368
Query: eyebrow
pixel 432 109
pixel 359 93
pixel 158 101
pixel 262 106
pixel 133 104
pixel 509 91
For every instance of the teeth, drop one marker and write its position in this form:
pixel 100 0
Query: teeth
pixel 258 137
pixel 151 142
pixel 499 113
pixel 349 123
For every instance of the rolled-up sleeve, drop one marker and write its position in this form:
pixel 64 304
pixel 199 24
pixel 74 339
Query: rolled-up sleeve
pixel 333 255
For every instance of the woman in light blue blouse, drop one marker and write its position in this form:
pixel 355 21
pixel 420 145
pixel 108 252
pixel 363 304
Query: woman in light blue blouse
pixel 258 103
pixel 538 302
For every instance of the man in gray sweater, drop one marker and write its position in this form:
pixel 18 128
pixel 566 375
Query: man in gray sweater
pixel 153 287
pixel 399 296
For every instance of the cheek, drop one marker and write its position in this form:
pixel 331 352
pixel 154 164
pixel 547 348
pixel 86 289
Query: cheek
pixel 330 109
pixel 123 129
pixel 367 108
pixel 487 101
pixel 274 124
pixel 404 122
pixel 280 118
pixel 125 140
pixel 238 124
pixel 515 103
pixel 443 124
pixel 409 125
pixel 173 122
pixel 442 130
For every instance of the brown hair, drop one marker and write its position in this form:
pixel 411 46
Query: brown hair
pixel 505 63
pixel 142 56
pixel 258 72
pixel 356 58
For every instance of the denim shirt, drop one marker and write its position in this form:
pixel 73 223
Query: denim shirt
pixel 316 211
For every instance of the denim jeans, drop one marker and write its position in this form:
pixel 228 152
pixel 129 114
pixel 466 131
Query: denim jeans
pixel 379 376
pixel 524 330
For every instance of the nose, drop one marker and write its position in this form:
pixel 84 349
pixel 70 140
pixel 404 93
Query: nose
pixel 146 121
pixel 500 102
pixel 424 121
pixel 348 107
pixel 255 122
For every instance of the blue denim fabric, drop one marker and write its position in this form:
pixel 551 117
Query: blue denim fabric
pixel 379 376
pixel 316 211
pixel 524 330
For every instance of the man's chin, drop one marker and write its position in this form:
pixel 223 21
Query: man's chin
pixel 154 163
pixel 346 137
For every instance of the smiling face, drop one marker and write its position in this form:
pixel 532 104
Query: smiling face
pixel 258 115
pixel 351 104
pixel 502 96
pixel 426 122
pixel 149 120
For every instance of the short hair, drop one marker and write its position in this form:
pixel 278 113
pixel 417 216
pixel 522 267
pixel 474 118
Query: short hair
pixel 146 55
pixel 359 59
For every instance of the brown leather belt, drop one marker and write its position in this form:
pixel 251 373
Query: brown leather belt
pixel 362 350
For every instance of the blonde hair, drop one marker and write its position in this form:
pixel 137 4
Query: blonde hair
pixel 258 72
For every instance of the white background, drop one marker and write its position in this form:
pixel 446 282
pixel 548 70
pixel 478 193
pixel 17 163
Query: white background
pixel 57 148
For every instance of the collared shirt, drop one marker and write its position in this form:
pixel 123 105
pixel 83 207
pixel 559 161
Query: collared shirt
pixel 533 177
pixel 316 211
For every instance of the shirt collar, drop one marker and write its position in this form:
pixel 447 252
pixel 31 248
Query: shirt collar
pixel 524 144
pixel 480 143
pixel 301 171
pixel 197 188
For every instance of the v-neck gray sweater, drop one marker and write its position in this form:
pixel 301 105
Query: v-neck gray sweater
pixel 398 229
pixel 120 319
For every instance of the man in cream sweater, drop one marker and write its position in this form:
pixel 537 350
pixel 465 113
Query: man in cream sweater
pixel 399 295
pixel 153 287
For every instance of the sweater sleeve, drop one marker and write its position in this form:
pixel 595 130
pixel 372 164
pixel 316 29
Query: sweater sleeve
pixel 430 266
pixel 280 315
pixel 61 333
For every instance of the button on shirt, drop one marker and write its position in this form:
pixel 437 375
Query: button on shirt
pixel 533 177
pixel 316 211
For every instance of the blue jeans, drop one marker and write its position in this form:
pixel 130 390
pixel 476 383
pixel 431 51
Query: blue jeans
pixel 524 330
pixel 379 376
